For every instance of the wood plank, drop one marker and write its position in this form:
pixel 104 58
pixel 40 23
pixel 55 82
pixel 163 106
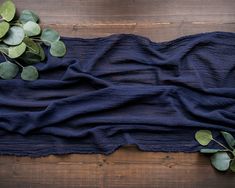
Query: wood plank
pixel 129 11
pixel 148 169
pixel 159 20
pixel 155 32
pixel 52 171
pixel 127 167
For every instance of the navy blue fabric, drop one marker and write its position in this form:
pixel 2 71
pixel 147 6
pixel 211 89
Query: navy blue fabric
pixel 122 89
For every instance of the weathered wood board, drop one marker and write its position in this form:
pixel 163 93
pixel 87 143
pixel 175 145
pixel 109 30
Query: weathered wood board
pixel 159 20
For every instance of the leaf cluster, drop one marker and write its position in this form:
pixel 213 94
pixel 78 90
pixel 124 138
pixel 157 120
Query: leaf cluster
pixel 21 41
pixel 221 159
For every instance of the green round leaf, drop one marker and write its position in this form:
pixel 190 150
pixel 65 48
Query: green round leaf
pixel 29 73
pixel 203 137
pixel 14 36
pixel 16 51
pixel 8 10
pixel 49 36
pixel 232 166
pixel 220 161
pixel 28 15
pixel 31 29
pixel 229 139
pixel 4 48
pixel 4 27
pixel 8 70
pixel 58 49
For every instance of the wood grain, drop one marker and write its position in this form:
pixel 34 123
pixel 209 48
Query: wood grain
pixel 159 20
pixel 128 167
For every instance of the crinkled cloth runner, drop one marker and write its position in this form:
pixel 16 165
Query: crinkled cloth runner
pixel 122 89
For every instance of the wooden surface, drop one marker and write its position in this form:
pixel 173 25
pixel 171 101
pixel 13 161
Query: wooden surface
pixel 158 20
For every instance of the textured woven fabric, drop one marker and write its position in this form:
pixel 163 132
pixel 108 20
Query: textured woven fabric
pixel 122 89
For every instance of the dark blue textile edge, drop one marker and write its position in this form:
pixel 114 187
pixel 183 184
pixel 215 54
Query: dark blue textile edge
pixel 174 40
pixel 42 148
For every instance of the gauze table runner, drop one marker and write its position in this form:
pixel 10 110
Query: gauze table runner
pixel 122 89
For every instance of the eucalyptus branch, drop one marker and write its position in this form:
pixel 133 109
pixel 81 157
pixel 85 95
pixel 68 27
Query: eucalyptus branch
pixel 25 42
pixel 221 159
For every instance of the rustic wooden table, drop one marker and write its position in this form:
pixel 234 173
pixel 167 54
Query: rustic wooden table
pixel 159 20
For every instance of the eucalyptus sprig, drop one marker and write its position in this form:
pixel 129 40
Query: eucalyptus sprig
pixel 21 41
pixel 222 159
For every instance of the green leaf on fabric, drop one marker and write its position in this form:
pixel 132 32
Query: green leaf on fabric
pixel 34 52
pixel 209 150
pixel 203 137
pixel 14 36
pixel 49 36
pixel 31 29
pixel 58 49
pixel 28 15
pixel 8 70
pixel 221 161
pixel 16 51
pixel 229 139
pixel 8 10
pixel 30 58
pixel 31 45
pixel 29 73
pixel 4 27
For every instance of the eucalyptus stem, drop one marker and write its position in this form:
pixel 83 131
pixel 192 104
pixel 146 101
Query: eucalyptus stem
pixel 18 63
pixel 222 145
pixel 36 39
pixel 39 40
pixel 4 56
